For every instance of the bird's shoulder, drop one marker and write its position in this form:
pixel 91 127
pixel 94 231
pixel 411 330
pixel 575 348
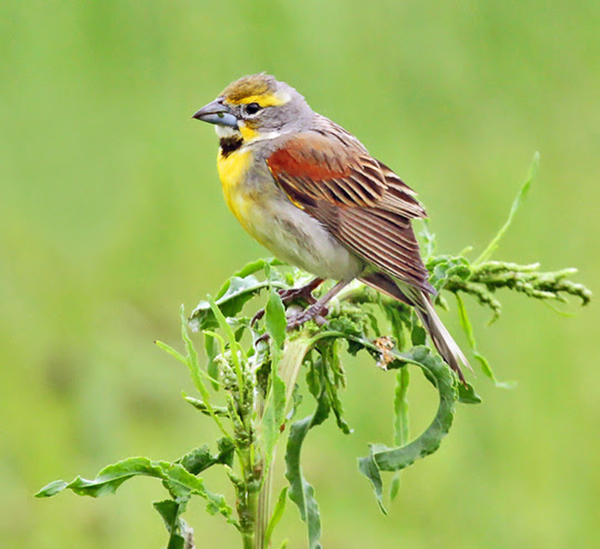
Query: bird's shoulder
pixel 327 163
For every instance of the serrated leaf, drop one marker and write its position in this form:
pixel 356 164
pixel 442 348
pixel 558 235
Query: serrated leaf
pixel 179 482
pixel 400 319
pixel 394 459
pixel 401 421
pixel 330 364
pixel 368 467
pixel 301 492
pixel 382 458
pixel 445 267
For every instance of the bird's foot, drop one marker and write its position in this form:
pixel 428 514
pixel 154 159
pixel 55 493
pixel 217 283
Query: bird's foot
pixel 304 293
pixel 316 312
pixel 295 294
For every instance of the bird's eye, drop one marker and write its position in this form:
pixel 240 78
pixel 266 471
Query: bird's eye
pixel 252 108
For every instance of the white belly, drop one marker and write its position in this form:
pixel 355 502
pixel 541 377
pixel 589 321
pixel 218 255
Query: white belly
pixel 298 239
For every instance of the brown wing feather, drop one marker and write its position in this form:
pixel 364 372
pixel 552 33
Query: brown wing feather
pixel 366 206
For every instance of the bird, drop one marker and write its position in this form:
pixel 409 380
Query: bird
pixel 310 192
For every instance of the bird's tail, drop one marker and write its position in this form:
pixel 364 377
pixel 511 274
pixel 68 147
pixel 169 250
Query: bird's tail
pixel 443 341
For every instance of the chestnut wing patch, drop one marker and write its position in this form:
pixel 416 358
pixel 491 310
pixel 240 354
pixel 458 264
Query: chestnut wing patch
pixel 313 167
pixel 363 203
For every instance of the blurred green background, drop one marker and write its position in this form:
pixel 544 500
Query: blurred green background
pixel 111 216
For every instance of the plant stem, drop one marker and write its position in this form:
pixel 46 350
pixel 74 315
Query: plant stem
pixel 291 361
pixel 248 494
pixel 289 368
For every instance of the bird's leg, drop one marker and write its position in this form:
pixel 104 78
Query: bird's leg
pixel 316 309
pixel 304 292
pixel 292 294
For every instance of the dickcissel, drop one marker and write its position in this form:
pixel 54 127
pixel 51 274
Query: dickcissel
pixel 309 191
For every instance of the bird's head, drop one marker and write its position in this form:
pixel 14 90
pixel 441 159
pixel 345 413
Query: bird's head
pixel 256 107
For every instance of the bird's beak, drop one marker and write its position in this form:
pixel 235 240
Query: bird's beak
pixel 217 112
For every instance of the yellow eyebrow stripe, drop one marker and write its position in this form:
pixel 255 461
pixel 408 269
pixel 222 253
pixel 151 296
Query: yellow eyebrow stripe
pixel 264 100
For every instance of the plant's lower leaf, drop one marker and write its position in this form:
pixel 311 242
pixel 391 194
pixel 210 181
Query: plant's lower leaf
pixel 179 482
pixel 301 492
pixel 277 514
pixel 382 458
pixel 368 467
pixel 171 511
pixel 401 422
pixel 394 459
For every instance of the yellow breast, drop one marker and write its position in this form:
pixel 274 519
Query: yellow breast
pixel 232 171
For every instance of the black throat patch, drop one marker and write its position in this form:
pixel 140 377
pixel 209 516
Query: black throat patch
pixel 229 145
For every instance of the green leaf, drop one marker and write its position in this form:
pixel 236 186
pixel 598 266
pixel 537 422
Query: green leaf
pixel 179 482
pixel 171 511
pixel 175 354
pixel 445 267
pixel 202 407
pixel 234 346
pixel 277 514
pixel 201 458
pixel 231 299
pixel 428 238
pixel 485 366
pixel 257 265
pixel 212 367
pixel 273 417
pixel 467 395
pixel 301 492
pixel 401 422
pixel 400 319
pixel 438 373
pixel 52 489
pixel 333 376
pixel 275 318
pixel 382 458
pixel 518 202
pixel 368 467
pixel 192 357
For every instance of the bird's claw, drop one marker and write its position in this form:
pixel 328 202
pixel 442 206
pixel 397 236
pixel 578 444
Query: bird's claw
pixel 290 295
pixel 297 318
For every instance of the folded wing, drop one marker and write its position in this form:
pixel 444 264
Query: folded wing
pixel 366 206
